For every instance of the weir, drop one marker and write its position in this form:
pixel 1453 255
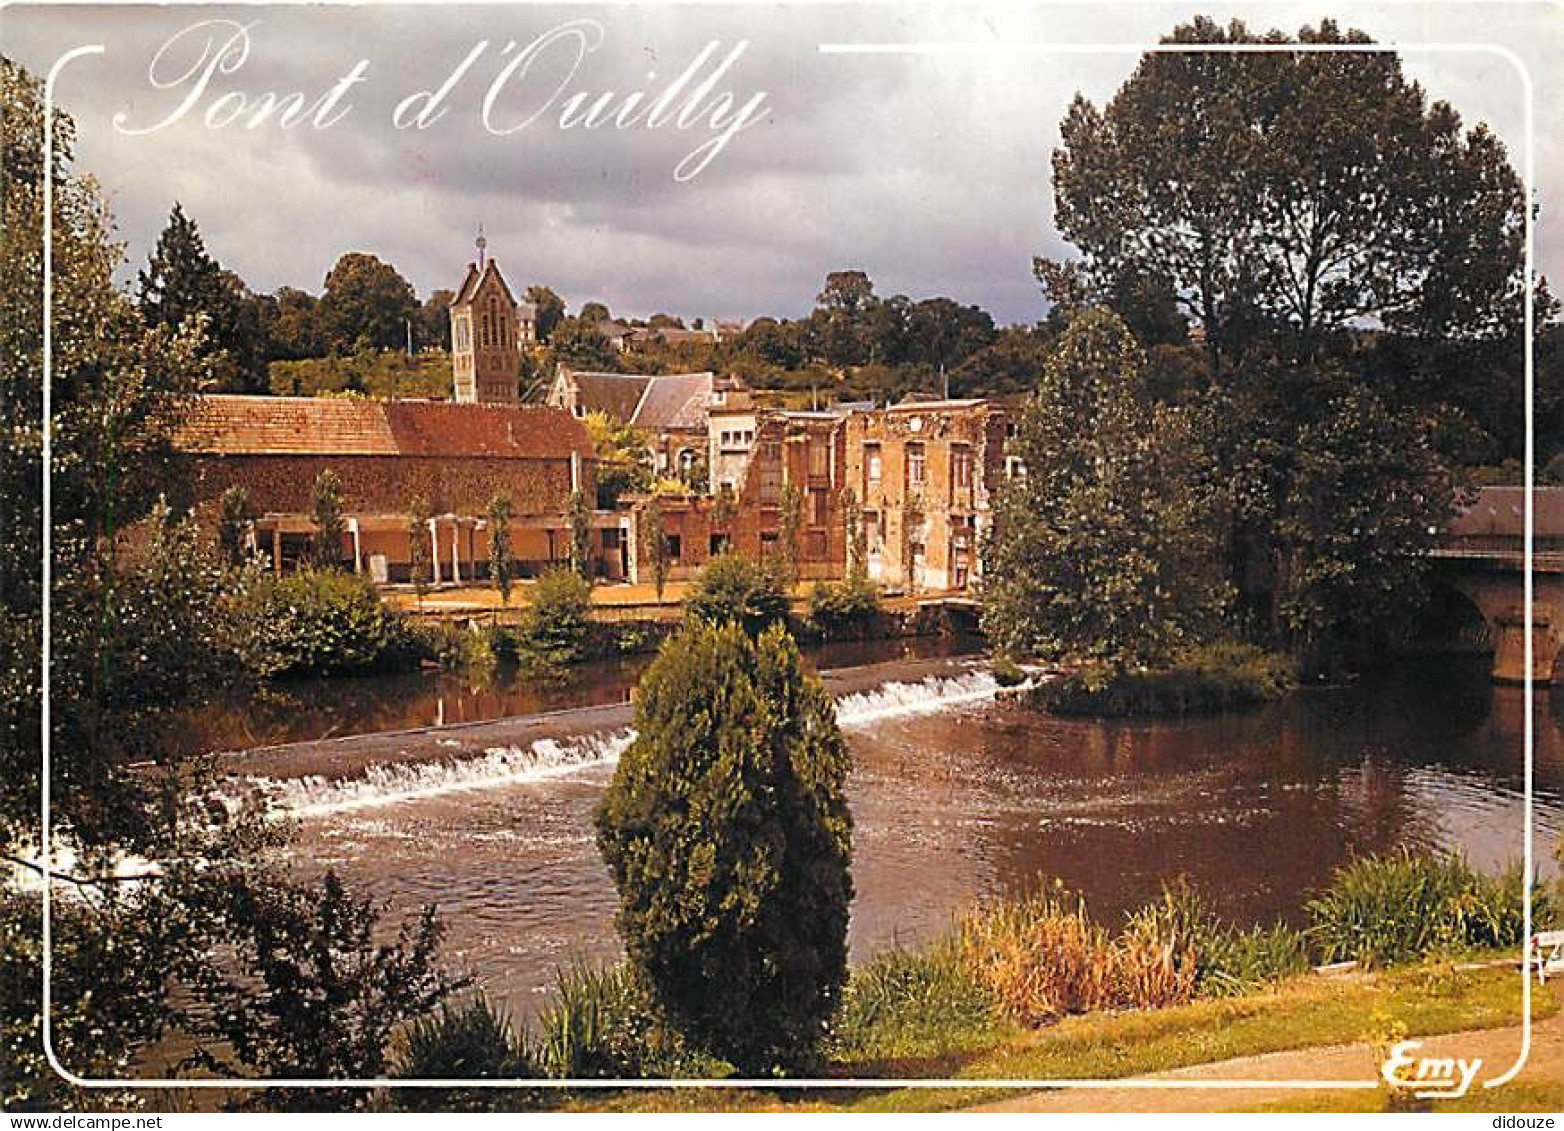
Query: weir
pixel 427 763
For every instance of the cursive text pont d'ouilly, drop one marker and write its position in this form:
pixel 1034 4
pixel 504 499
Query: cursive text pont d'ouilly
pixel 196 64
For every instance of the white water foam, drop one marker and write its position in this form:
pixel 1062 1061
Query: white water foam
pixel 315 797
pixel 927 696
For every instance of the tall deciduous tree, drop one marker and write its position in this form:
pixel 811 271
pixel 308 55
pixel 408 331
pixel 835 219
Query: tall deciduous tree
pixel 1105 549
pixel 550 309
pixel 1291 194
pixel 580 516
pixel 1339 498
pixel 656 543
pixel 420 546
pixel 366 303
pixel 577 343
pixel 298 332
pixel 728 835
pixel 433 330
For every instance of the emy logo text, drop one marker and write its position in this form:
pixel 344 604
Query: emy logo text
pixel 1429 1077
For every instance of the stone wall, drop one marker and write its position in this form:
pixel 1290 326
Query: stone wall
pixel 282 484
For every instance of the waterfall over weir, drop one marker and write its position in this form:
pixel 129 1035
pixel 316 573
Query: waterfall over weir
pixel 316 796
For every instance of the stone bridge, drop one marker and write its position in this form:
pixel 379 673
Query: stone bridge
pixel 1482 560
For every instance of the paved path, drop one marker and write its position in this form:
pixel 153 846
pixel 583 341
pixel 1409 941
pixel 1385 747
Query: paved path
pixel 1498 1049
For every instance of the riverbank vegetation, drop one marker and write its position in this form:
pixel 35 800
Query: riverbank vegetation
pixel 1220 677
pixel 1038 988
pixel 1284 483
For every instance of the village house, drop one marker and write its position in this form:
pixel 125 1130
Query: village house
pixel 918 476
pixel 731 423
pixel 671 409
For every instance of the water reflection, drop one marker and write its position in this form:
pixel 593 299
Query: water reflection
pixel 303 710
pixel 1255 809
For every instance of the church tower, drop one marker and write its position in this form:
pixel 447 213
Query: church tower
pixel 485 338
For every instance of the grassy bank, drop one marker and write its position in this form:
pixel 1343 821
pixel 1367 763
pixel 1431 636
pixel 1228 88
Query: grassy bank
pixel 1308 1011
pixel 1038 989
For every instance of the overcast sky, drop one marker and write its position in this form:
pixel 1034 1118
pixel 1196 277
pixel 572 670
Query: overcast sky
pixel 930 172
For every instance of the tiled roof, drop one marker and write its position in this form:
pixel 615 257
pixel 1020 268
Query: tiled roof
pixel 613 394
pixel 674 402
pixel 241 425
pixel 236 425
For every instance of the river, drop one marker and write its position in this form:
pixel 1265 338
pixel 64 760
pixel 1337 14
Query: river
pixel 955 797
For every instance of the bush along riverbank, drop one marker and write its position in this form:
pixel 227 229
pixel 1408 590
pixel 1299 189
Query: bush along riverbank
pixel 1219 677
pixel 326 622
pixel 1038 988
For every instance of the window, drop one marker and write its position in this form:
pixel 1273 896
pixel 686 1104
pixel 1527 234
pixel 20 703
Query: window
pixel 1015 467
pixel 821 501
pixel 914 467
pixel 675 547
pixel 819 459
pixel 770 474
pixel 873 532
pixel 961 474
pixel 718 543
pixel 871 468
pixel 464 332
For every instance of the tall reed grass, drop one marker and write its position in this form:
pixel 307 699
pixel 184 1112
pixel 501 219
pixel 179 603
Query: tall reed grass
pixel 1044 957
pixel 1383 910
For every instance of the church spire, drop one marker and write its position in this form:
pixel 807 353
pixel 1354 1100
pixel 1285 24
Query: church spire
pixel 482 243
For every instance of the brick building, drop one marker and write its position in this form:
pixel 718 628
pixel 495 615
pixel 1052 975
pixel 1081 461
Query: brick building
pixel 797 459
pixel 455 457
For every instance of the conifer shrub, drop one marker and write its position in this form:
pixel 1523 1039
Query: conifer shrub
pixel 728 836
pixel 731 588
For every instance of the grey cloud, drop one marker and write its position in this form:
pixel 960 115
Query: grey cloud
pixel 931 173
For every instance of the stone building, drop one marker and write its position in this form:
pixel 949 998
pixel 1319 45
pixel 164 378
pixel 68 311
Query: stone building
pixel 455 457
pixel 487 334
pixel 671 408
pixel 924 473
pixel 731 424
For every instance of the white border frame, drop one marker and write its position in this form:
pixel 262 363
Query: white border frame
pixel 877 1083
